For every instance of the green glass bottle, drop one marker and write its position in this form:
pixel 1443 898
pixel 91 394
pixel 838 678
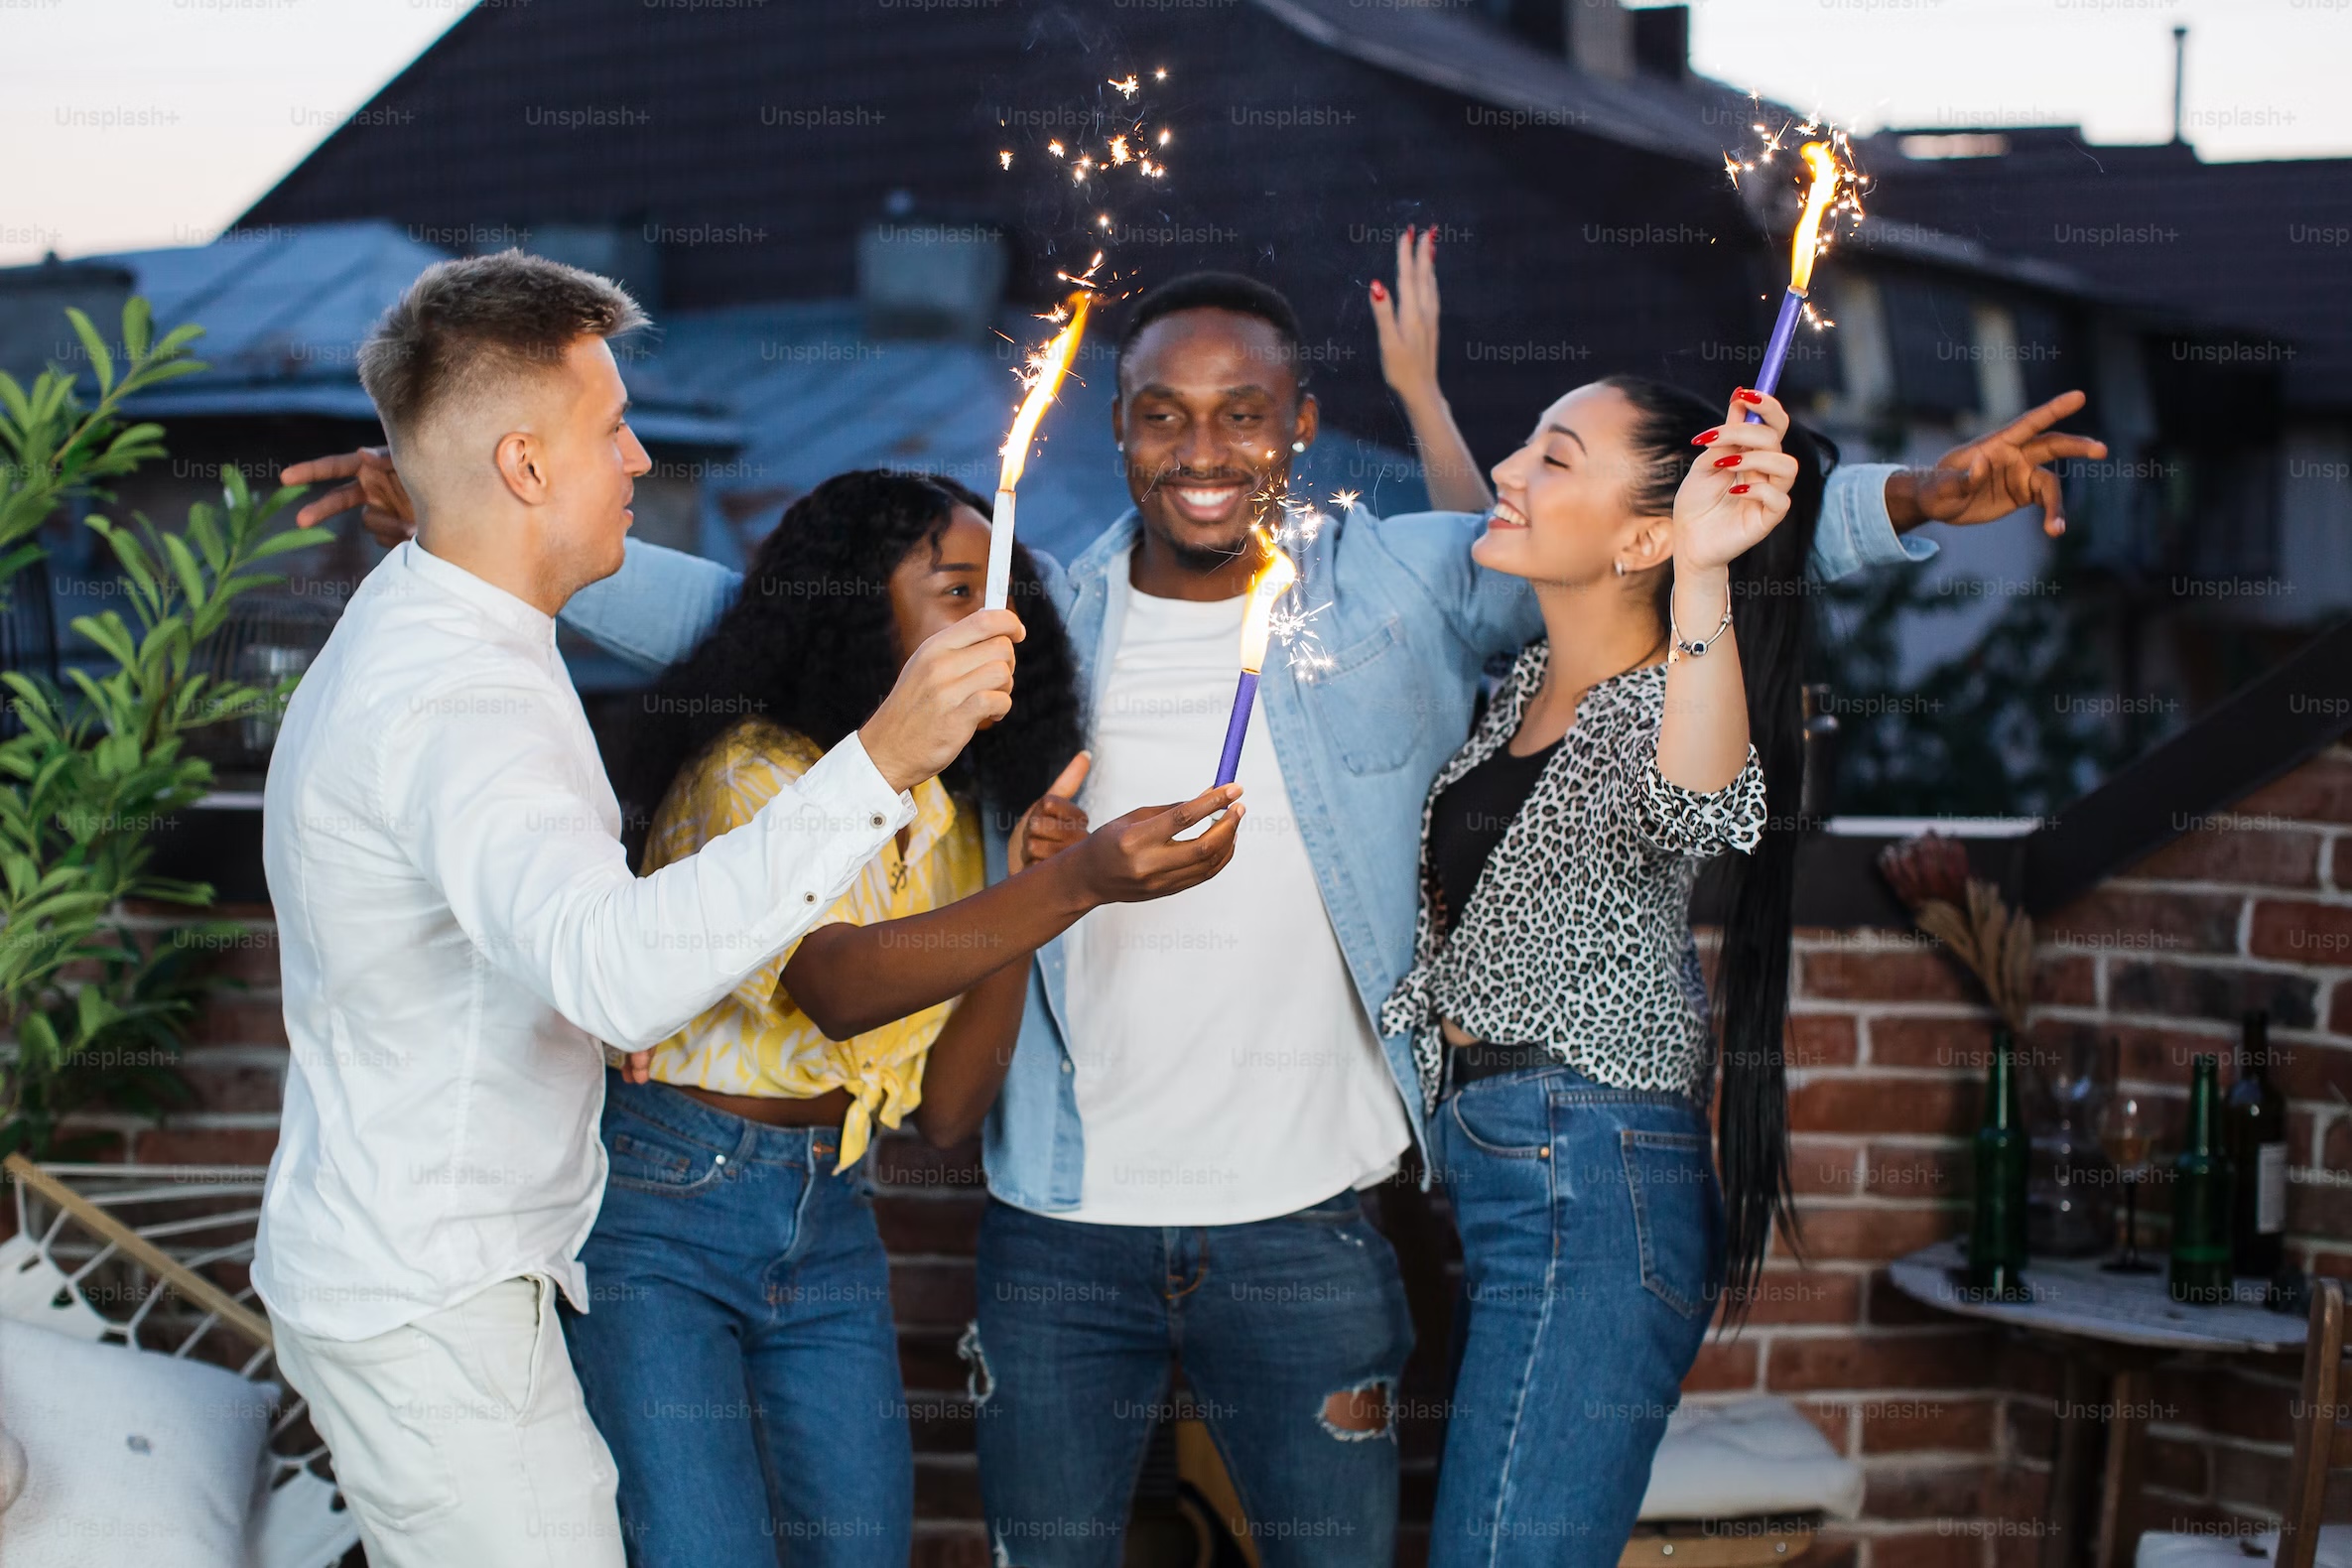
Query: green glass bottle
pixel 2253 1135
pixel 1997 1218
pixel 2201 1195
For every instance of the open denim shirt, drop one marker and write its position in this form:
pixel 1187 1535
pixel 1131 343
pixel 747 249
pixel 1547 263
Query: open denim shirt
pixel 1408 621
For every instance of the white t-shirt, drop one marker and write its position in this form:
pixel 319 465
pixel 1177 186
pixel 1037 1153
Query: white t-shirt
pixel 1225 1071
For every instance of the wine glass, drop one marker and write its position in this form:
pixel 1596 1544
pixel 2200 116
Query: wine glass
pixel 2126 1132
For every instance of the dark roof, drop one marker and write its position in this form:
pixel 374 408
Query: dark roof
pixel 754 147
pixel 2265 246
pixel 1695 118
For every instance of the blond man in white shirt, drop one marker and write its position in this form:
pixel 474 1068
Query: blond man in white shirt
pixel 460 931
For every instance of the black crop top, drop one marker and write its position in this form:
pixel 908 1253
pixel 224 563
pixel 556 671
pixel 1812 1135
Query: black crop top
pixel 1470 818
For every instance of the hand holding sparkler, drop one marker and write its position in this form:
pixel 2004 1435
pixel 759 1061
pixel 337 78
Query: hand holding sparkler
pixel 1738 490
pixel 961 677
pixel 1145 856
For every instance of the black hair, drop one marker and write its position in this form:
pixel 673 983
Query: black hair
pixel 1215 290
pixel 1771 618
pixel 811 644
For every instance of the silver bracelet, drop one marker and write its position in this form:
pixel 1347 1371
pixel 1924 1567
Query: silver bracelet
pixel 1696 649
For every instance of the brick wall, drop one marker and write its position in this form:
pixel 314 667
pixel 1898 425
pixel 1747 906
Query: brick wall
pixel 1951 1422
pixel 1954 1423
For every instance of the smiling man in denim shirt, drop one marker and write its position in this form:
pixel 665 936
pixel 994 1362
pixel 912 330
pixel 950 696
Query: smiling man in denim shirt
pixel 1198 1093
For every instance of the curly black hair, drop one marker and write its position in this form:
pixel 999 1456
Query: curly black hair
pixel 810 644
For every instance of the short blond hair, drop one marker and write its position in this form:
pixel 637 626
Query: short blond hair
pixel 467 324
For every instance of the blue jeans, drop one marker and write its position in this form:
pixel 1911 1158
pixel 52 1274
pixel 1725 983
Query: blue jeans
pixel 739 1354
pixel 1592 1238
pixel 1078 1325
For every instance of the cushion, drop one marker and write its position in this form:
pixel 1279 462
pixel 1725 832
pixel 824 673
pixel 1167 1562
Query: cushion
pixel 1747 1458
pixel 2159 1549
pixel 129 1456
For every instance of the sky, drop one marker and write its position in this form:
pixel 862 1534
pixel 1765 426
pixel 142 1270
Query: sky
pixel 131 123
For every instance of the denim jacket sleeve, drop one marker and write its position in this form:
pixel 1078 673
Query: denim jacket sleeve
pixel 1855 530
pixel 656 607
pixel 1491 612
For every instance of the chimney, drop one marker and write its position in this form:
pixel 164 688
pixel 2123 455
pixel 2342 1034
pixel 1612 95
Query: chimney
pixel 1600 37
pixel 2179 78
pixel 1662 42
pixel 918 277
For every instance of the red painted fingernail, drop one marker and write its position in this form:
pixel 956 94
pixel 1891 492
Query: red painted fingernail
pixel 1729 461
pixel 1746 396
pixel 1737 490
pixel 1408 233
pixel 1703 437
pixel 1379 292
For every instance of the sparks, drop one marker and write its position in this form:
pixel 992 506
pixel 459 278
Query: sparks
pixel 1128 85
pixel 1004 158
pixel 1828 175
pixel 1044 380
pixel 1119 149
pixel 1054 148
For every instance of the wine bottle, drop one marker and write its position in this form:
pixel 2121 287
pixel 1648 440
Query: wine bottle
pixel 1996 1216
pixel 2254 1134
pixel 2201 1195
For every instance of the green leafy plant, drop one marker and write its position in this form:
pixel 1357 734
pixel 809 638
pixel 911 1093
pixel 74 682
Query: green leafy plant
pixel 92 1012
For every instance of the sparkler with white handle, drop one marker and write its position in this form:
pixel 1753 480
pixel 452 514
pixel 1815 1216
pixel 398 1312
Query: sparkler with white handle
pixel 1046 371
pixel 1272 582
pixel 1822 161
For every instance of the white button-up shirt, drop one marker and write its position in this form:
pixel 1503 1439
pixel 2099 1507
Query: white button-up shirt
pixel 458 929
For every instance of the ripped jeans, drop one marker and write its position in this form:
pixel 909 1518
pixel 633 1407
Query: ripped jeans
pixel 1592 1228
pixel 1078 1325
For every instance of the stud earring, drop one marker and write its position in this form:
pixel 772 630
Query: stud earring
pixel 1620 568
pixel 1298 445
pixel 1123 446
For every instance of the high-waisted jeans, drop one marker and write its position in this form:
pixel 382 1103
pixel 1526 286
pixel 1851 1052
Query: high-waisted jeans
pixel 738 1353
pixel 1592 1231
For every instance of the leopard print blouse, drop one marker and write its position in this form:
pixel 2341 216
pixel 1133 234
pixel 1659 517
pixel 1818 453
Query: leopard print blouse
pixel 1577 935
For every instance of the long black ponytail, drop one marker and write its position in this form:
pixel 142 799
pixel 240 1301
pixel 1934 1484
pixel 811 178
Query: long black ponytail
pixel 1773 618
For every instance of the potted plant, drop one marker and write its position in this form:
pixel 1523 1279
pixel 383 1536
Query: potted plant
pixel 90 1012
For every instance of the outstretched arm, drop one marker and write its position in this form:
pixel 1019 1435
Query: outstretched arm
pixel 850 979
pixel 651 613
pixel 1996 474
pixel 1407 325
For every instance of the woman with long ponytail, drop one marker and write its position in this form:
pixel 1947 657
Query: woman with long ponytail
pixel 1568 1048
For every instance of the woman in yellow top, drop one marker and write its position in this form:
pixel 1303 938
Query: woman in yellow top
pixel 739 1354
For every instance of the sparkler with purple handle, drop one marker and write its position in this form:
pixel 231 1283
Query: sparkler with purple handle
pixel 1272 582
pixel 1237 729
pixel 1822 161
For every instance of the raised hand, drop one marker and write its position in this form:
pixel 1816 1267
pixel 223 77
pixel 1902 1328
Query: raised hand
pixel 960 676
pixel 1996 474
pixel 1407 327
pixel 1738 490
pixel 1407 320
pixel 1054 823
pixel 1139 856
pixel 375 489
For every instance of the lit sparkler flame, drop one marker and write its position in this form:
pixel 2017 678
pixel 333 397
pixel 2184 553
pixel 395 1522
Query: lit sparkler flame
pixel 1273 579
pixel 1827 177
pixel 1045 380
